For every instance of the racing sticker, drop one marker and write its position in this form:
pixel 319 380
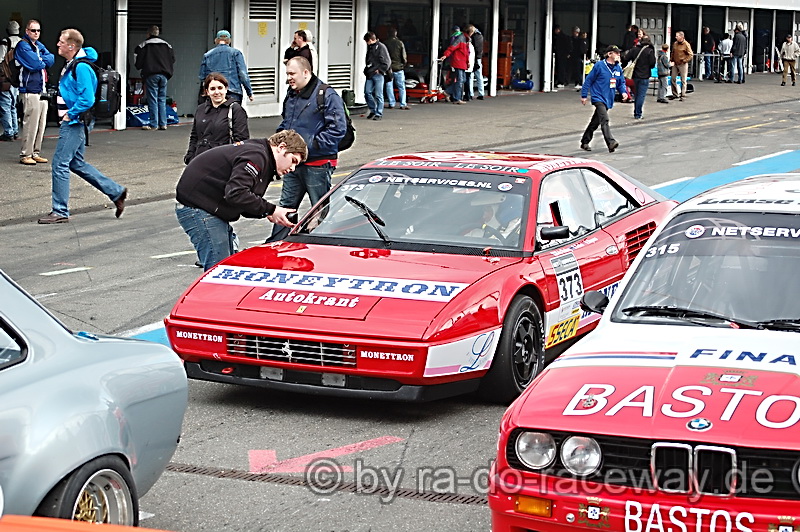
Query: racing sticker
pixel 282 280
pixel 568 278
pixel 563 330
pixel 663 517
pixel 785 524
pixel 470 354
pixel 592 514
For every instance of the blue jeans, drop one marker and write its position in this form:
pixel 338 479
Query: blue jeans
pixel 399 81
pixel 708 70
pixel 69 156
pixel 468 85
pixel 8 111
pixel 738 68
pixel 640 86
pixel 314 180
pixel 456 90
pixel 212 237
pixel 373 91
pixel 157 99
pixel 477 76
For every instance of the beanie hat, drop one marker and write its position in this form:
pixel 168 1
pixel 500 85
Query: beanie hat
pixel 13 27
pixel 223 34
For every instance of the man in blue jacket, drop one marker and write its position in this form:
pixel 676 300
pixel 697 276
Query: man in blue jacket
pixel 603 81
pixel 76 90
pixel 322 127
pixel 34 60
pixel 229 62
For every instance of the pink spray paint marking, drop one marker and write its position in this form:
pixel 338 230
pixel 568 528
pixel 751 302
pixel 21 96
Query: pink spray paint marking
pixel 267 461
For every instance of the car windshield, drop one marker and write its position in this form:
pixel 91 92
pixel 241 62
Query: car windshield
pixel 400 209
pixel 736 269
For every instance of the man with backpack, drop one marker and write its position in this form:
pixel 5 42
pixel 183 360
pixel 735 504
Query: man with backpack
pixel 34 60
pixel 76 98
pixel 9 91
pixel 316 112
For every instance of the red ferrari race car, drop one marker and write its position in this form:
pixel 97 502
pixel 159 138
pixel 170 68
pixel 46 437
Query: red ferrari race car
pixel 421 276
pixel 681 411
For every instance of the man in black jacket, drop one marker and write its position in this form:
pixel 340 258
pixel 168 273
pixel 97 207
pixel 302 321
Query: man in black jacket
pixel 155 58
pixel 379 65
pixel 222 184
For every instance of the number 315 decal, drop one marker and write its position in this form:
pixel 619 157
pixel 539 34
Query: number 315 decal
pixel 663 250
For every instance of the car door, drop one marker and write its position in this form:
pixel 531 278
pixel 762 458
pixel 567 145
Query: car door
pixel 586 260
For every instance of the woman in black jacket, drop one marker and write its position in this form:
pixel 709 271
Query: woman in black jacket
pixel 217 121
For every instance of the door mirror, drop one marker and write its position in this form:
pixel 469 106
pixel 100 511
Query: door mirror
pixel 558 232
pixel 594 301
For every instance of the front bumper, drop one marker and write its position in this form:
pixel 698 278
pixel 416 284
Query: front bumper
pixel 316 383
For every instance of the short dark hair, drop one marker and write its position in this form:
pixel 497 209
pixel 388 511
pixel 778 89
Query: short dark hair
pixel 214 76
pixel 302 35
pixel 369 36
pixel 392 32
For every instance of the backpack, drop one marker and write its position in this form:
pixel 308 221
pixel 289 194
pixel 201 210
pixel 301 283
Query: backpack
pixel 350 131
pixel 108 95
pixel 9 68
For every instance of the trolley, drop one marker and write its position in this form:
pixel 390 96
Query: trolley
pixel 436 93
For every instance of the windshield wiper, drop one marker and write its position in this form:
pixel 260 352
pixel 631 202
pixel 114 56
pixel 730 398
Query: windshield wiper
pixel 372 216
pixel 681 312
pixel 781 324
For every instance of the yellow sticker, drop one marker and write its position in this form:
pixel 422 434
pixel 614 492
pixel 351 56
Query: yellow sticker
pixel 262 29
pixel 563 330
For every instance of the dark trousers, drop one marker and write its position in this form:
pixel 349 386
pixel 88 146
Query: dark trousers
pixel 599 118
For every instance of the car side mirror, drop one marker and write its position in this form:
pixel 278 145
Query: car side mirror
pixel 594 301
pixel 557 232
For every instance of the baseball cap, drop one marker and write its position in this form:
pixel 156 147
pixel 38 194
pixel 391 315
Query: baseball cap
pixel 223 34
pixel 613 48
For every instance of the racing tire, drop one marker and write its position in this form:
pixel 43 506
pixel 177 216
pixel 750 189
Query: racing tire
pixel 520 353
pixel 100 491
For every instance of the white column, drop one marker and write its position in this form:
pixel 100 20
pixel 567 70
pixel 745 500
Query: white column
pixel 699 50
pixel 593 49
pixel 121 59
pixel 750 40
pixel 495 45
pixel 668 32
pixel 436 20
pixel 360 48
pixel 772 43
pixel 727 21
pixel 549 62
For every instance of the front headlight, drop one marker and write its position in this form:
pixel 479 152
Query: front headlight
pixel 581 455
pixel 536 450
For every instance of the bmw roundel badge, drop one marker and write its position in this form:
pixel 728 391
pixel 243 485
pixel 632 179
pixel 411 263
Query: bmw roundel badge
pixel 699 424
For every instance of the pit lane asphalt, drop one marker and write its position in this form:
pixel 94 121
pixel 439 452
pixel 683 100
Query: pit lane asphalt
pixel 149 163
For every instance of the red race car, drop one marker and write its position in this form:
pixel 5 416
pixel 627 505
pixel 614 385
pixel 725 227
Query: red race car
pixel 421 276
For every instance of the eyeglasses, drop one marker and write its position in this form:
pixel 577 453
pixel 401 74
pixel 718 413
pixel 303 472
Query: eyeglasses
pixel 36 30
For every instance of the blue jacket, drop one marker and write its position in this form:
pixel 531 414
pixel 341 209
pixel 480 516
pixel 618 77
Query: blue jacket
pixel 78 91
pixel 33 58
pixel 598 82
pixel 322 131
pixel 229 62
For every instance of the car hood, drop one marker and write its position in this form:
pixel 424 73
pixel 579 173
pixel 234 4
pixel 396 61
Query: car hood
pixel 286 285
pixel 673 383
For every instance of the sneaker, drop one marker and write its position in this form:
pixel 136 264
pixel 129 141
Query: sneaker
pixel 662 101
pixel 613 146
pixel 53 218
pixel 405 108
pixel 637 117
pixel 680 99
pixel 586 147
pixel 6 138
pixel 560 86
pixel 163 128
pixel 371 115
pixel 578 87
pixel 671 97
pixel 377 117
pixel 27 160
pixel 148 128
pixel 39 159
pixel 390 106
pixel 783 84
pixel 480 97
pixel 460 102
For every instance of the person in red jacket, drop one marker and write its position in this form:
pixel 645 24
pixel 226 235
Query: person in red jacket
pixel 459 50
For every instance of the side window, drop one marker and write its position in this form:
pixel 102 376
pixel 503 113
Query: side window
pixel 608 201
pixel 11 348
pixel 565 200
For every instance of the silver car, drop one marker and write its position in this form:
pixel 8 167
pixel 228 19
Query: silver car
pixel 87 423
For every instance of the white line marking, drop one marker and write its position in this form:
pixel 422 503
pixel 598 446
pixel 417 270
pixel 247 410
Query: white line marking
pixel 44 296
pixel 68 270
pixel 668 183
pixel 176 254
pixel 762 157
pixel 143 329
pixel 752 147
pixel 674 153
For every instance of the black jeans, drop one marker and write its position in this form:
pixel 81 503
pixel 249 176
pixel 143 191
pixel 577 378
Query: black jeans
pixel 599 118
